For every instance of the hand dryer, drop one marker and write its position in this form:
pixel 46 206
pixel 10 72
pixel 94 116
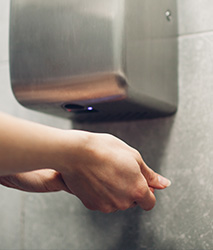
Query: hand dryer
pixel 95 59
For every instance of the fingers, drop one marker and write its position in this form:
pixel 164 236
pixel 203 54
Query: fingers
pixel 45 180
pixel 139 194
pixel 153 179
pixel 144 196
pixel 147 202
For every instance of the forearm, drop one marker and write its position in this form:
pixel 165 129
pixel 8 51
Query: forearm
pixel 27 146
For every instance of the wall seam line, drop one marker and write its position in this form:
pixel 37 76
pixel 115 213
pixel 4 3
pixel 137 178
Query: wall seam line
pixel 196 34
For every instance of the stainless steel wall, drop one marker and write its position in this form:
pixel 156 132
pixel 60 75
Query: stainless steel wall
pixel 180 147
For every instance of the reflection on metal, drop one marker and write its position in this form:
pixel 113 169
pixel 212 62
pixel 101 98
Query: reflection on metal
pixel 117 56
pixel 73 88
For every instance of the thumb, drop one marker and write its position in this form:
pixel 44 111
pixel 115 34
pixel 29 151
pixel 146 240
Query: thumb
pixel 153 179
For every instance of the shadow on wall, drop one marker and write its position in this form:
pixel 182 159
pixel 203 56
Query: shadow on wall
pixel 150 138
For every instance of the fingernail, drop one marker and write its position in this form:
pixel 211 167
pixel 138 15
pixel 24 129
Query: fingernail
pixel 164 181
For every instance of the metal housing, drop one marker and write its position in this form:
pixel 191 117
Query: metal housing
pixel 95 59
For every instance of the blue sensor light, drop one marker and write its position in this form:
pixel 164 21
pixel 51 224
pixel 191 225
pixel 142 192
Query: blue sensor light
pixel 90 108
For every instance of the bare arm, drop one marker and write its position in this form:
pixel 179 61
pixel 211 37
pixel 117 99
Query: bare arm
pixel 102 171
pixel 26 146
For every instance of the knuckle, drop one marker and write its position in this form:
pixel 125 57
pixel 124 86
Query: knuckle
pixel 108 137
pixel 138 158
pixel 123 205
pixel 137 154
pixel 143 197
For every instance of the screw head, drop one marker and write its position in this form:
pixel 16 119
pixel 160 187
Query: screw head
pixel 168 15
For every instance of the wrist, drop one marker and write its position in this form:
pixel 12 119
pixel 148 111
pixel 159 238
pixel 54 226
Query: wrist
pixel 70 149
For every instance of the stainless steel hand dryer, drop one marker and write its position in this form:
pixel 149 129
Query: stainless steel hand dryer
pixel 95 59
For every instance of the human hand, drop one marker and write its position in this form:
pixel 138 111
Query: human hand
pixel 45 180
pixel 106 174
pixel 101 170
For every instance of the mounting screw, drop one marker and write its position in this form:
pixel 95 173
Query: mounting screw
pixel 168 15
